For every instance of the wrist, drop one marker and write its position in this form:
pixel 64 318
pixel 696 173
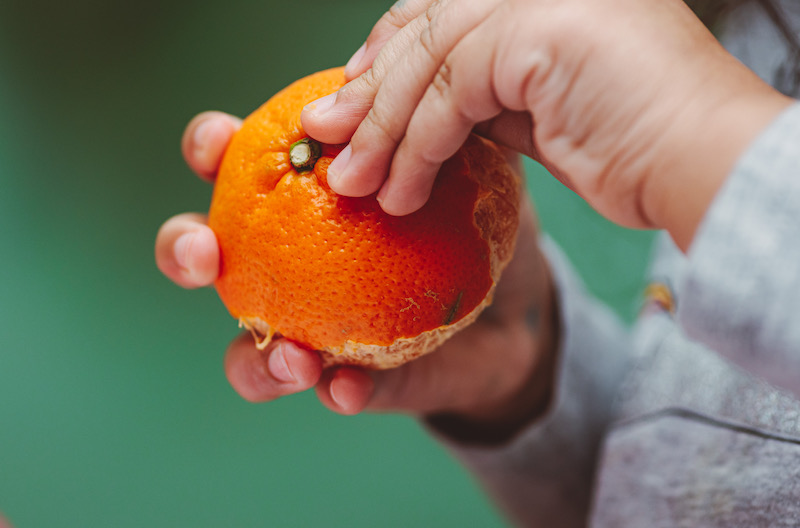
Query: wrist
pixel 701 148
pixel 499 421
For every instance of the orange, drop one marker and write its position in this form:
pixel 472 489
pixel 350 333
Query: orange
pixel 337 274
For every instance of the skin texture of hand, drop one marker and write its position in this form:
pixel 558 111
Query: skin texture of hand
pixel 496 372
pixel 631 103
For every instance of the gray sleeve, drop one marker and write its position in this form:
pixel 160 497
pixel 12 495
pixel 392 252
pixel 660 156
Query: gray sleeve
pixel 741 294
pixel 544 477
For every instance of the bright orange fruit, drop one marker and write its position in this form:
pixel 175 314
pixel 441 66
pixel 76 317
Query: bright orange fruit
pixel 337 274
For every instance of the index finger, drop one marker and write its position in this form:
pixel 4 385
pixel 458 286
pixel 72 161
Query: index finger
pixel 205 139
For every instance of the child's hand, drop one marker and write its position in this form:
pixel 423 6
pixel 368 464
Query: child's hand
pixel 631 103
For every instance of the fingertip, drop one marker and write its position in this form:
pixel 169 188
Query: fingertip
pixel 348 179
pixel 205 139
pixel 187 251
pixel 334 118
pixel 296 365
pixel 197 254
pixel 315 110
pixel 402 202
pixel 357 175
pixel 409 185
pixel 319 122
pixel 346 390
pixel 281 369
pixel 337 172
pixel 398 207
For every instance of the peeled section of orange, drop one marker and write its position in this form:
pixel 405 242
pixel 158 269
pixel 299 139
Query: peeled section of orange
pixel 337 274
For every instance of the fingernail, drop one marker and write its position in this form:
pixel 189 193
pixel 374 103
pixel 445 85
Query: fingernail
pixel 182 251
pixel 351 391
pixel 352 65
pixel 381 196
pixel 321 105
pixel 336 392
pixel 387 205
pixel 339 165
pixel 200 138
pixel 279 367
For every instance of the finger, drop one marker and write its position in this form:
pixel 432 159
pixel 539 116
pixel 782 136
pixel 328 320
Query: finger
pixel 394 20
pixel 205 139
pixel 187 251
pixel 373 144
pixel 334 118
pixel 345 390
pixel 282 368
pixel 460 96
pixel 437 129
pixel 403 189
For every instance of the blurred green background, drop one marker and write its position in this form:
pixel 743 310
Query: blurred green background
pixel 114 410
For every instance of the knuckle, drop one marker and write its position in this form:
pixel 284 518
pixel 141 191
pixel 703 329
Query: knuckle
pixel 455 97
pixel 359 91
pixel 442 81
pixel 432 20
pixel 427 41
pixel 370 80
pixel 443 89
pixel 378 121
pixel 439 10
pixel 430 13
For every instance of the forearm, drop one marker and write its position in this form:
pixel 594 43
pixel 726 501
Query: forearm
pixel 543 474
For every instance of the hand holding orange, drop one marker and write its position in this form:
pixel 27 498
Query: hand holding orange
pixel 338 274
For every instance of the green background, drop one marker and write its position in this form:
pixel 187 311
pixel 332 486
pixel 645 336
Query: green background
pixel 114 410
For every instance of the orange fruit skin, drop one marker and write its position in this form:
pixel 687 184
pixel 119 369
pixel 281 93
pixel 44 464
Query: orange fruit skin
pixel 339 275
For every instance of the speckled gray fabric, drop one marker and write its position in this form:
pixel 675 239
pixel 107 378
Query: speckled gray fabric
pixel 717 477
pixel 696 441
pixel 678 373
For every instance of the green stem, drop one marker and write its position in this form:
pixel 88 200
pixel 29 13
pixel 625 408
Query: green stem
pixel 304 154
